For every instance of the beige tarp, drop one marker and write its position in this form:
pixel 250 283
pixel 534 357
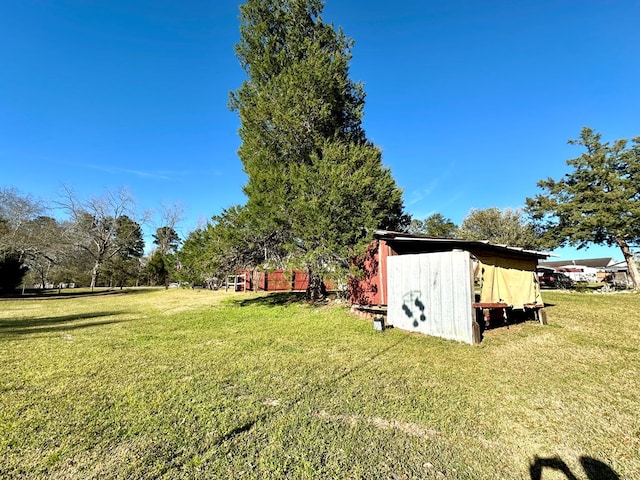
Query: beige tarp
pixel 507 280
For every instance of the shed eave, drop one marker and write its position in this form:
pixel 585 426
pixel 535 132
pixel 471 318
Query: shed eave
pixel 406 238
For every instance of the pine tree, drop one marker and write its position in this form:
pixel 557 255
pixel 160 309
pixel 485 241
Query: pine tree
pixel 312 174
pixel 598 202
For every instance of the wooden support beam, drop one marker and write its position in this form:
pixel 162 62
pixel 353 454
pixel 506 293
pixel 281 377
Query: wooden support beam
pixel 542 316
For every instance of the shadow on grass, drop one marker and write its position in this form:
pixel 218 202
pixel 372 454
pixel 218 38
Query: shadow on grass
pixel 54 324
pixel 274 299
pixel 594 469
pixel 53 294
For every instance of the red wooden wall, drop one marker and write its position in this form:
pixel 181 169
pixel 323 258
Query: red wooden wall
pixel 370 287
pixel 277 280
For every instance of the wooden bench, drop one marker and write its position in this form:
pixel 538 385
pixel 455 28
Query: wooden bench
pixel 486 307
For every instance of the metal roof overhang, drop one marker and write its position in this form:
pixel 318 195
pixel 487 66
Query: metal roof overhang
pixel 406 243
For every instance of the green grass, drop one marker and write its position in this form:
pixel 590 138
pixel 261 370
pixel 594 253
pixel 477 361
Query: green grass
pixel 199 384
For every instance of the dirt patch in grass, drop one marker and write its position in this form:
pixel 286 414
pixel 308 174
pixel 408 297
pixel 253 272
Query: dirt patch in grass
pixel 407 428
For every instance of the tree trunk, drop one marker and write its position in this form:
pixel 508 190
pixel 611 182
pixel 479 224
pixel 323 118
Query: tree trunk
pixel 316 289
pixel 631 264
pixel 94 275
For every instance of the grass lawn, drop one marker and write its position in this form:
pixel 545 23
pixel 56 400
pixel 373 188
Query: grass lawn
pixel 200 384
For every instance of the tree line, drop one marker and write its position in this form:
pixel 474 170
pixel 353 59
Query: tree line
pixel 316 185
pixel 99 242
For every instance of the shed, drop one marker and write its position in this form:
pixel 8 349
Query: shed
pixel 426 284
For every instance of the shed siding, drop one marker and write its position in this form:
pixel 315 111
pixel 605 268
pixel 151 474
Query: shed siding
pixel 431 293
pixel 370 288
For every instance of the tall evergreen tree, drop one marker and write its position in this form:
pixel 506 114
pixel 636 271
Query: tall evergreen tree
pixel 167 240
pixel 312 174
pixel 598 202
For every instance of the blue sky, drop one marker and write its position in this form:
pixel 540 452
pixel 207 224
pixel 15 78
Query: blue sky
pixel 471 102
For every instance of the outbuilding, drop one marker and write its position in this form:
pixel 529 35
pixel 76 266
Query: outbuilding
pixel 428 285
